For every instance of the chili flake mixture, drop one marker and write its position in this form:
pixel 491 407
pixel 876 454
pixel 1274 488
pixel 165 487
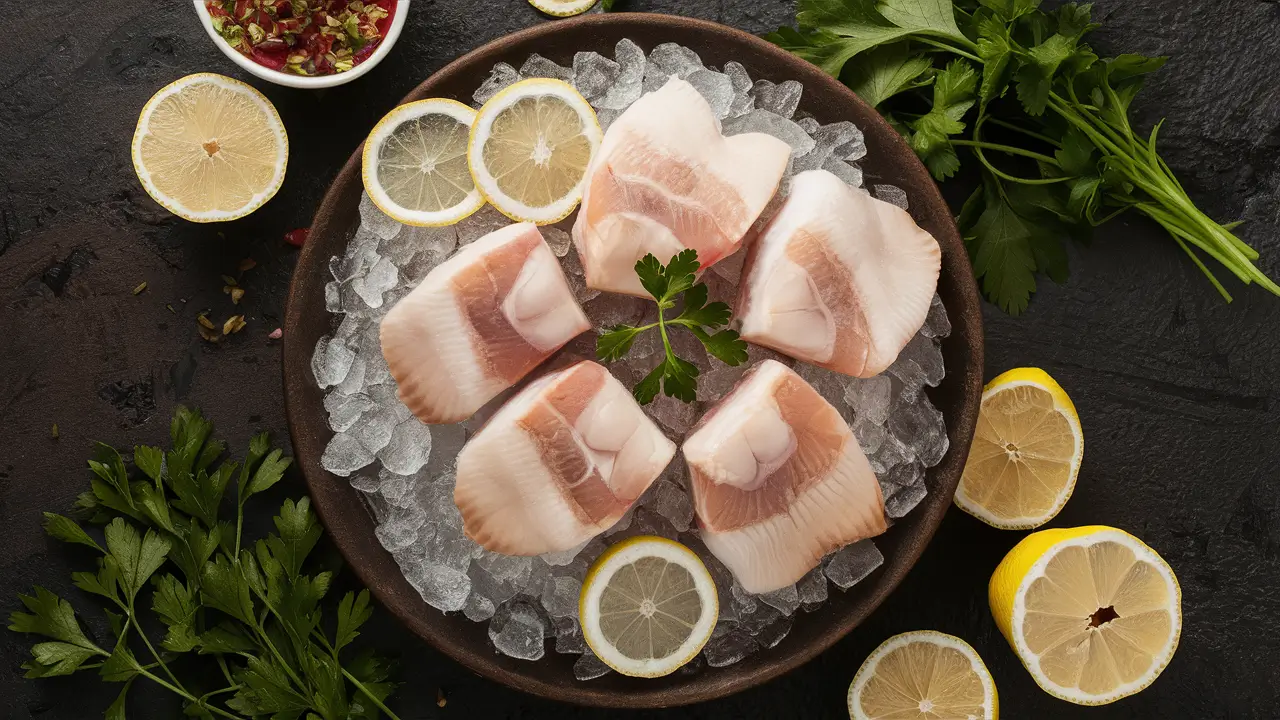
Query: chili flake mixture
pixel 305 37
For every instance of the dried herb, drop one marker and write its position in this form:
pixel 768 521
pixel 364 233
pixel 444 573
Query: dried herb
pixel 305 37
pixel 234 324
pixel 247 613
pixel 138 290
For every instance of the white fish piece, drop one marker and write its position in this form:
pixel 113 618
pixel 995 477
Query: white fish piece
pixel 664 180
pixel 478 323
pixel 779 480
pixel 560 463
pixel 838 278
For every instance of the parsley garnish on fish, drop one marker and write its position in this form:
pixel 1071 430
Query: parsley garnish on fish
pixel 1003 77
pixel 243 617
pixel 675 376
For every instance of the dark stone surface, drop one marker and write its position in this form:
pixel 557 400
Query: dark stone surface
pixel 1179 393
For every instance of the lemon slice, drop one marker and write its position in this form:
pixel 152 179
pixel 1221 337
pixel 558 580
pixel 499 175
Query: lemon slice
pixel 1026 452
pixel 209 148
pixel 530 147
pixel 563 8
pixel 923 674
pixel 647 607
pixel 415 163
pixel 1093 613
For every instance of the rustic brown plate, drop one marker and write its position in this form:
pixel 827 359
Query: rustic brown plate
pixel 340 507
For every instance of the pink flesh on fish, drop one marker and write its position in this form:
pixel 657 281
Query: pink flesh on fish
pixel 779 480
pixel 558 464
pixel 664 180
pixel 838 279
pixel 478 323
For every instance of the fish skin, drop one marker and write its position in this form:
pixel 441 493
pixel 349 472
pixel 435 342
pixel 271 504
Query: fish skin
pixel 478 323
pixel 838 278
pixel 664 180
pixel 778 480
pixel 561 462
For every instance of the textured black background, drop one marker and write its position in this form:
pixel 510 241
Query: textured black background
pixel 1177 391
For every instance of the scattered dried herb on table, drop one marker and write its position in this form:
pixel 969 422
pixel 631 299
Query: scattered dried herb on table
pixel 249 611
pixel 951 76
pixel 304 37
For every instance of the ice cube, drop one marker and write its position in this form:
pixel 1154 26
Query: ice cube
pixel 921 427
pixel 774 633
pixel 850 174
pixel 382 277
pixel 539 67
pixel 781 99
pixel 771 123
pixel 401 529
pixel 728 648
pixel 517 631
pixel 809 124
pixel 594 74
pixel 366 483
pixel 892 451
pixel 609 310
pixel 408 449
pixel 628 86
pixel 926 354
pixel 738 77
pixel 730 268
pixel 375 221
pixel 558 240
pixel 564 557
pixel 870 435
pixel 869 398
pixel 893 195
pixel 333 297
pixel 851 563
pixel 853 150
pixel 560 597
pixel 719 380
pixel 354 381
pixel 937 324
pixel 394 487
pixel 344 455
pixel 430 245
pixel 673 503
pixel 675 416
pixel 345 410
pixel 590 667
pixel 513 568
pixel 785 600
pixel 569 637
pixel 442 587
pixel 904 500
pixel 716 89
pixel 375 428
pixel 480 223
pixel 478 607
pixel 812 588
pixel 900 476
pixel 331 361
pixel 500 77
pixel 674 59
pixel 837 134
pixel 487 586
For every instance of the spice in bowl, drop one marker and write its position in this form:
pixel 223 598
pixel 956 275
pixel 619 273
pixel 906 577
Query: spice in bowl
pixel 303 37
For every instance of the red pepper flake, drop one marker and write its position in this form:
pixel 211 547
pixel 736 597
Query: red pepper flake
pixel 303 37
pixel 297 237
pixel 276 334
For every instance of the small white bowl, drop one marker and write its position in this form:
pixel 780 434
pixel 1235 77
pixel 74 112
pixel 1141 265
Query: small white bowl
pixel 307 81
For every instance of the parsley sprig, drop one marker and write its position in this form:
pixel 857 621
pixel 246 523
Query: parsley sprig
pixel 251 608
pixel 1004 77
pixel 674 375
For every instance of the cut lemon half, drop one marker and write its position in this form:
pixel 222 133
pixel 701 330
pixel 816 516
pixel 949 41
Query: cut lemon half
pixel 923 674
pixel 647 607
pixel 563 8
pixel 1093 613
pixel 209 148
pixel 415 163
pixel 1026 452
pixel 530 148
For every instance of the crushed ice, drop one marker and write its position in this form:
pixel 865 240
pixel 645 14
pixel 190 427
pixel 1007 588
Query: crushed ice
pixel 405 469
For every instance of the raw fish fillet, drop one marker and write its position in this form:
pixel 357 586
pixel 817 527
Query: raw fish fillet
pixel 665 179
pixel 558 464
pixel 779 480
pixel 478 323
pixel 838 278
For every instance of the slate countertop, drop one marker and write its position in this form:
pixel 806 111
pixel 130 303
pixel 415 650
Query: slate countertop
pixel 1178 392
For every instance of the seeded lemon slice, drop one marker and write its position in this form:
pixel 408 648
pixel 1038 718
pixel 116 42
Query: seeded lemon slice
pixel 1026 452
pixel 923 674
pixel 1093 613
pixel 415 163
pixel 563 8
pixel 209 148
pixel 647 607
pixel 530 147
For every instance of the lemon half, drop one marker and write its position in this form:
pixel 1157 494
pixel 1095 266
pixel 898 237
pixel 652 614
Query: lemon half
pixel 647 607
pixel 530 148
pixel 925 675
pixel 1026 452
pixel 415 163
pixel 563 8
pixel 1093 613
pixel 209 148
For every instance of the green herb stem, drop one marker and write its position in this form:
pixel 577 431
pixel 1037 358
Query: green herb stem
pixel 365 691
pixel 188 696
pixel 151 648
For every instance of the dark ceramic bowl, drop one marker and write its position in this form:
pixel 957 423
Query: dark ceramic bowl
pixel 340 507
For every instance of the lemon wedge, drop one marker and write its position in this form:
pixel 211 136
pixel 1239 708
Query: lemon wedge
pixel 923 674
pixel 415 163
pixel 530 147
pixel 647 607
pixel 563 8
pixel 209 148
pixel 1093 613
pixel 1026 452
